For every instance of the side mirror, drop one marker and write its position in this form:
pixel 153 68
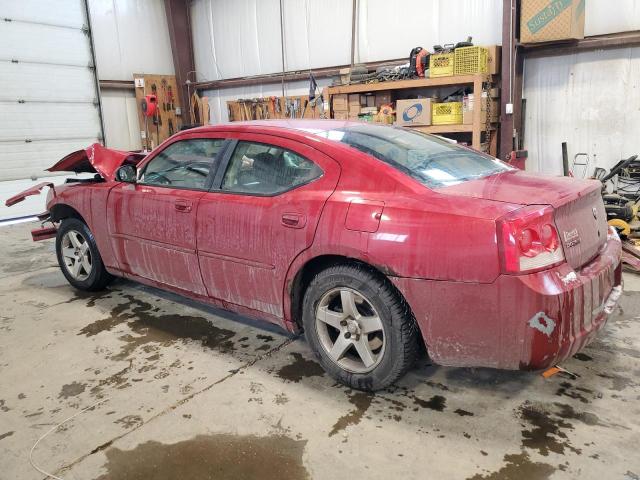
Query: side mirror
pixel 127 174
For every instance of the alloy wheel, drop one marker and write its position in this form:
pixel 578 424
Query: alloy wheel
pixel 350 330
pixel 76 255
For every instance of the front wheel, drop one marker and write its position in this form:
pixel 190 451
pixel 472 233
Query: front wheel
pixel 360 328
pixel 79 258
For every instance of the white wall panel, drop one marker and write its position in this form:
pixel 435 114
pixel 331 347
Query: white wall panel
pixel 388 30
pixel 317 33
pixel 120 113
pixel 591 100
pixel 236 38
pixel 130 36
pixel 241 36
pixel 607 16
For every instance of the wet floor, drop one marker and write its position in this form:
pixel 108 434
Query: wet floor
pixel 220 457
pixel 191 392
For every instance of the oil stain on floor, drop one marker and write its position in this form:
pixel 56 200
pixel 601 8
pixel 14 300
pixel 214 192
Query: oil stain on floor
pixel 518 466
pixel 158 328
pixel 300 368
pixel 220 457
pixel 361 401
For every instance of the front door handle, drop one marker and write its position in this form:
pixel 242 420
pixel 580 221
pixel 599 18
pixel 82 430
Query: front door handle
pixel 293 220
pixel 183 205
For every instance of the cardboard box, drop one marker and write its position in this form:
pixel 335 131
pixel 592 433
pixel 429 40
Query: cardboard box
pixel 382 98
pixel 468 105
pixel 340 102
pixel 493 63
pixel 545 21
pixel 413 112
pixel 339 115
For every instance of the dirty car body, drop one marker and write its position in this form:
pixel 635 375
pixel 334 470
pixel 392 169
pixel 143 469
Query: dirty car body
pixel 499 268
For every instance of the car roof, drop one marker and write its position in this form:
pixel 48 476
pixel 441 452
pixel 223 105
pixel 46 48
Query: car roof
pixel 306 131
pixel 300 125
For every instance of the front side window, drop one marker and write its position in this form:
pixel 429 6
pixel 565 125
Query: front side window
pixel 431 160
pixel 264 169
pixel 184 164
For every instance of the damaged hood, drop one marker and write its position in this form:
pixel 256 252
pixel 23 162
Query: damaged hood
pixel 523 188
pixel 97 159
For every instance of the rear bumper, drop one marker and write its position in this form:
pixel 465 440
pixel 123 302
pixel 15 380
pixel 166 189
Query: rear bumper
pixel 519 321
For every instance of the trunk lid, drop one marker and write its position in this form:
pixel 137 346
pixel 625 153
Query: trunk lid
pixel 579 210
pixel 96 159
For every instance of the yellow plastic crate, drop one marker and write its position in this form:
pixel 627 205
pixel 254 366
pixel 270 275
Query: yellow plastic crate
pixel 471 60
pixel 441 64
pixel 449 113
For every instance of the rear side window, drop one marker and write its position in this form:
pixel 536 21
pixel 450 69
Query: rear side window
pixel 261 169
pixel 184 164
pixel 432 161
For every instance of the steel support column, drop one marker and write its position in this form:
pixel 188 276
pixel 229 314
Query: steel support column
pixel 509 25
pixel 179 25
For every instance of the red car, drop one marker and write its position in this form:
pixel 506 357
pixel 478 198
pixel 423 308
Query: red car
pixel 369 238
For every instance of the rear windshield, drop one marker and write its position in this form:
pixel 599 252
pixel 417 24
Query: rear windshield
pixel 433 161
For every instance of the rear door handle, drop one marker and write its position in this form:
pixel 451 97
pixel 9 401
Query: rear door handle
pixel 293 220
pixel 183 205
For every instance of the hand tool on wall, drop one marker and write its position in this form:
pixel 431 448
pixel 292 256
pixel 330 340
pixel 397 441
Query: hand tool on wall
pixel 163 84
pixel 157 120
pixel 148 106
pixel 170 98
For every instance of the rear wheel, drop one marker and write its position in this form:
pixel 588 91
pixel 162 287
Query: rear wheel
pixel 359 327
pixel 78 256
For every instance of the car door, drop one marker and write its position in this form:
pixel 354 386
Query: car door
pixel 152 223
pixel 261 213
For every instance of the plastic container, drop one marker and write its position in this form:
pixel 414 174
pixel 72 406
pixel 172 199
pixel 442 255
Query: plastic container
pixel 470 60
pixel 449 113
pixel 441 64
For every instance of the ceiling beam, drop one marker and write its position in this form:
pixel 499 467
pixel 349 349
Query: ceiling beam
pixel 599 42
pixel 324 72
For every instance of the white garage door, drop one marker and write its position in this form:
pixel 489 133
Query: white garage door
pixel 48 99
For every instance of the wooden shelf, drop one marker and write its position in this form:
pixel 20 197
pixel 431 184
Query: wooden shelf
pixel 458 128
pixel 416 83
pixel 443 128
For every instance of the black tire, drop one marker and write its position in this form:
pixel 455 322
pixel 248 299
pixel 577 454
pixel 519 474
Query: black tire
pixel 399 327
pixel 98 277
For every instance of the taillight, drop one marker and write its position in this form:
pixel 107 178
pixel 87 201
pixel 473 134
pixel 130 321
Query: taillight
pixel 528 240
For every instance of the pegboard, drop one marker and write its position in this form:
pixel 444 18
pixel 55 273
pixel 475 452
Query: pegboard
pixel 166 122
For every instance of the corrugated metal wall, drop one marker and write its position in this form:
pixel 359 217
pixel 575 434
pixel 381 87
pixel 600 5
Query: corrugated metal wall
pixel 590 100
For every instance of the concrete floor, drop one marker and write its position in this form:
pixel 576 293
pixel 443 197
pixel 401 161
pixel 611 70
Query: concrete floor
pixel 192 392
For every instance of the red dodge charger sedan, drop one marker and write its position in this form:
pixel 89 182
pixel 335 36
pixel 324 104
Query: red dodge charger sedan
pixel 369 238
